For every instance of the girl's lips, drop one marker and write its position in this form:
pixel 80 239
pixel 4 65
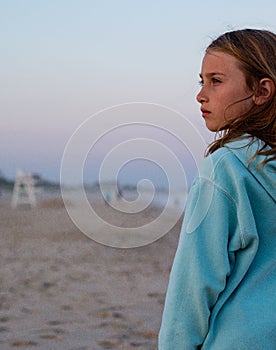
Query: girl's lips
pixel 205 112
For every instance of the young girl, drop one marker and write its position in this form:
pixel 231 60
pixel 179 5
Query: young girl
pixel 222 289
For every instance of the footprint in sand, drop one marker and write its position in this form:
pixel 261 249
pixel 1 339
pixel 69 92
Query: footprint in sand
pixel 18 343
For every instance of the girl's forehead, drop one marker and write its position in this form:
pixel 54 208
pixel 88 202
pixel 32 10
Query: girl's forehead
pixel 219 57
pixel 220 62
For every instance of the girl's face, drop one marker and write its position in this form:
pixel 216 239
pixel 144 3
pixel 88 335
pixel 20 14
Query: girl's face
pixel 223 84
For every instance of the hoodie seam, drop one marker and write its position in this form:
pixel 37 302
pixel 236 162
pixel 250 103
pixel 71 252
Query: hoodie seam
pixel 228 195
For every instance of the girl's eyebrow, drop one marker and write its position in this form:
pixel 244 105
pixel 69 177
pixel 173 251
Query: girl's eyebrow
pixel 211 74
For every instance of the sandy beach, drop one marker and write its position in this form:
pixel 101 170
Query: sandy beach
pixel 62 290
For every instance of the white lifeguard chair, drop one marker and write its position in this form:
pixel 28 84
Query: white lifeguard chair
pixel 24 190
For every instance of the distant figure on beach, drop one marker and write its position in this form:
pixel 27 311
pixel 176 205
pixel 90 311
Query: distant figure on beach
pixel 222 288
pixel 107 197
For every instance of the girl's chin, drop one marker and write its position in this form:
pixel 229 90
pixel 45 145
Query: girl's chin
pixel 214 127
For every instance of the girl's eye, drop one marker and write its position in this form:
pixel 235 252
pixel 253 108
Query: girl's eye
pixel 213 81
pixel 216 81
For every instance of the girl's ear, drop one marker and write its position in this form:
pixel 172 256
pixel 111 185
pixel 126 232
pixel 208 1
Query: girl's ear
pixel 265 91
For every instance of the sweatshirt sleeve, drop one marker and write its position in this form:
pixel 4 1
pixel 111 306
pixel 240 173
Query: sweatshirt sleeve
pixel 201 266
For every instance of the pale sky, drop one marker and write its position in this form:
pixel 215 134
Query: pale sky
pixel 63 61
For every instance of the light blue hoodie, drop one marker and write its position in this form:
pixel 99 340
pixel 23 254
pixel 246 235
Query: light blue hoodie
pixel 222 288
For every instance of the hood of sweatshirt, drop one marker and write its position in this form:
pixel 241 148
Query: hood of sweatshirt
pixel 244 149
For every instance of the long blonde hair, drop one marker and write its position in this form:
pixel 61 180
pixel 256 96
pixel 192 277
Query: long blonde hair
pixel 256 51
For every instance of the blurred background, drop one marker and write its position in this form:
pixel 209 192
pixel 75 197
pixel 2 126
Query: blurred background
pixel 63 61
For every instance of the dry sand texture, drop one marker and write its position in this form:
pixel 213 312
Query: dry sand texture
pixel 62 290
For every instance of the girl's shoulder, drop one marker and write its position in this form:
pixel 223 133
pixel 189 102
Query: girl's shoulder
pixel 223 162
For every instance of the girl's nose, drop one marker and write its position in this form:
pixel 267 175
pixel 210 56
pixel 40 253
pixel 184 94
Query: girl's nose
pixel 201 96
